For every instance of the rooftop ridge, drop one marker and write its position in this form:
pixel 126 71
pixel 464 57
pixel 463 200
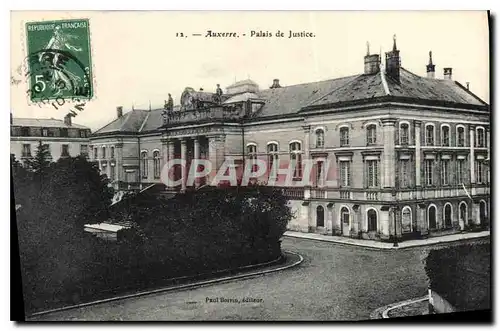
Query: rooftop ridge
pixel 336 89
pixel 308 83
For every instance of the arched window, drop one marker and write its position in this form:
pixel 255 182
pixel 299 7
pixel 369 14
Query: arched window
pixel 252 156
pixel 296 159
pixel 144 166
pixel 156 164
pixel 272 160
pixel 460 136
pixel 371 216
pixel 406 220
pixel 483 214
pixel 429 135
pixel 431 217
pixel 344 215
pixel 480 139
pixel 445 135
pixel 112 152
pixel 371 134
pixel 103 152
pixel 404 134
pixel 320 138
pixel 344 136
pixel 447 215
pixel 95 153
pixel 463 212
pixel 320 216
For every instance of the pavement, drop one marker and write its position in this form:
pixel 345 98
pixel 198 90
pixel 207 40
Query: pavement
pixel 386 245
pixel 412 307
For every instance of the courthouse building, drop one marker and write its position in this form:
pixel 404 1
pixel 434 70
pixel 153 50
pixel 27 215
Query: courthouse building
pixel 411 153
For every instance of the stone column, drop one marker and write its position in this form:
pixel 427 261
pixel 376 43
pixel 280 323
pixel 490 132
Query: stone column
pixel 389 155
pixel 164 152
pixel 216 153
pixel 183 169
pixel 330 219
pixel 418 180
pixel 307 130
pixel 356 219
pixel 195 165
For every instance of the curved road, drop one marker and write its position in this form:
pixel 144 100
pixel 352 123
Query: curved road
pixel 334 282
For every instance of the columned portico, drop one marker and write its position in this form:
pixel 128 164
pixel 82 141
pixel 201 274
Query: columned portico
pixel 184 168
pixel 195 166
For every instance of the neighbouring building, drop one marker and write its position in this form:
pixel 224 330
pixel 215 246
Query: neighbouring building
pixel 411 153
pixel 61 137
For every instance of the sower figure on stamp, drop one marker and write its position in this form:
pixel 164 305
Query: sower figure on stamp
pixel 60 41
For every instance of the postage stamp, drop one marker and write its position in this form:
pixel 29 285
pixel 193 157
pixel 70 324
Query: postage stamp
pixel 59 61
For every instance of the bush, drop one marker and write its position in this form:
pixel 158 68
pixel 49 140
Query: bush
pixel 461 275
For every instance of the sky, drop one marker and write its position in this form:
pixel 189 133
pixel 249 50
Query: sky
pixel 137 58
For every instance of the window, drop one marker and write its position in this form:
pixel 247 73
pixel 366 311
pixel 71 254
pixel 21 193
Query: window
pixel 480 172
pixel 445 171
pixel 445 135
pixel 84 150
pixel 112 171
pixel 95 153
pixel 372 167
pixel 463 212
pixel 252 156
pixel 344 136
pixel 272 160
pixel 447 215
pixel 144 161
pixel 405 173
pixel 344 215
pixel 461 171
pixel 296 159
pixel 372 220
pixel 406 220
pixel 431 217
pixel 64 132
pixel 64 150
pixel 480 139
pixel 26 150
pixel 345 173
pixel 320 138
pixel 25 131
pixel 319 173
pixel 404 134
pixel 45 132
pixel 156 164
pixel 429 168
pixel 83 134
pixel 371 134
pixel 112 152
pixel 429 135
pixel 103 152
pixel 460 136
pixel 320 216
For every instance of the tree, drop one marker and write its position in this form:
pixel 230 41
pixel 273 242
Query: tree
pixel 41 161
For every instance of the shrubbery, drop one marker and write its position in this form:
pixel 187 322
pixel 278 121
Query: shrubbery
pixel 461 275
pixel 191 234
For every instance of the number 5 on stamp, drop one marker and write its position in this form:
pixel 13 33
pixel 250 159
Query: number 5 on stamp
pixel 59 60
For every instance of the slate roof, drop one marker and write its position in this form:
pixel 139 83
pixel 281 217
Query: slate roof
pixel 129 122
pixel 45 123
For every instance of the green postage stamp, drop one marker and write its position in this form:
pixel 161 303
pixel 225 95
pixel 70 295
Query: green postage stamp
pixel 59 62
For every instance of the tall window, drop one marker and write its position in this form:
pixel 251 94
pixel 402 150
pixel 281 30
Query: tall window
pixel 144 166
pixel 45 132
pixel 252 156
pixel 25 131
pixel 320 138
pixel 104 152
pixel 372 172
pixel 319 173
pixel 95 153
pixel 344 215
pixel 84 150
pixel 480 172
pixel 460 136
pixel 445 135
pixel 429 135
pixel 344 136
pixel 345 173
pixel 156 164
pixel 372 220
pixel 480 139
pixel 445 171
pixel 112 170
pixel 64 150
pixel 112 152
pixel 429 168
pixel 320 216
pixel 272 160
pixel 296 159
pixel 404 134
pixel 405 173
pixel 371 134
pixel 26 150
pixel 406 219
pixel 447 216
pixel 461 171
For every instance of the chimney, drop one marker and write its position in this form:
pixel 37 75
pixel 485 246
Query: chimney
pixel 431 68
pixel 276 83
pixel 67 119
pixel 371 62
pixel 393 62
pixel 447 73
pixel 11 119
pixel 466 83
pixel 119 111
